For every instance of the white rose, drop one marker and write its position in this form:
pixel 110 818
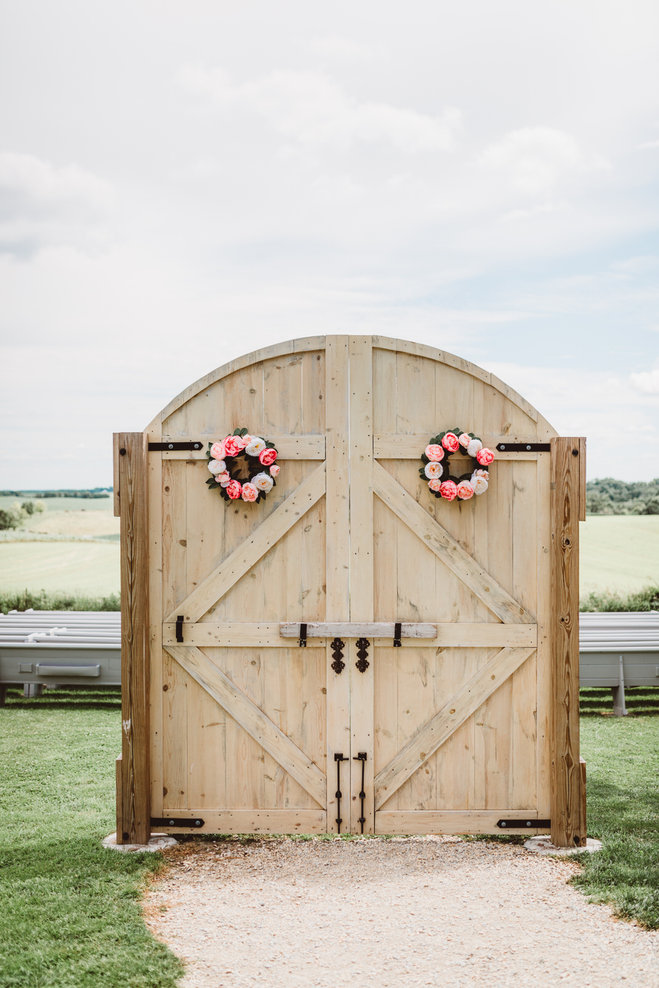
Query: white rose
pixel 255 446
pixel 224 479
pixel 479 484
pixel 474 446
pixel 433 470
pixel 217 466
pixel 263 482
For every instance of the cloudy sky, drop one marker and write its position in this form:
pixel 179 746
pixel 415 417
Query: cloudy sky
pixel 183 182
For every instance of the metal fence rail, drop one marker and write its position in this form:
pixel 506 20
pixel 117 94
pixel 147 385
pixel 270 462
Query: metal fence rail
pixel 69 648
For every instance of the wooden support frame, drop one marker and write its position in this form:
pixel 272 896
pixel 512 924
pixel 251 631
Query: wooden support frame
pixel 133 797
pixel 568 456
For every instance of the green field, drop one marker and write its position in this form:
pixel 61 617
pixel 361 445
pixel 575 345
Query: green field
pixel 619 553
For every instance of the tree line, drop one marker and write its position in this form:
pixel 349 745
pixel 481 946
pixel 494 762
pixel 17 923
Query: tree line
pixel 621 497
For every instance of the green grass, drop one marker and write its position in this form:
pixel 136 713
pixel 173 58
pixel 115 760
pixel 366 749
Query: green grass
pixel 619 553
pixel 70 913
pixel 23 600
pixel 622 761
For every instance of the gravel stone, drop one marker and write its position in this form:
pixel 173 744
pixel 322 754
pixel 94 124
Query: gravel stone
pixel 410 911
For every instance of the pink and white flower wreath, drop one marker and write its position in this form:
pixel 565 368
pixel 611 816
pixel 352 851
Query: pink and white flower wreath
pixel 436 469
pixel 227 460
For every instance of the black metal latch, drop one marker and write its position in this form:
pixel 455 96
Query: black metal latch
pixel 361 757
pixel 179 628
pixel 338 758
pixel 397 634
pixel 303 636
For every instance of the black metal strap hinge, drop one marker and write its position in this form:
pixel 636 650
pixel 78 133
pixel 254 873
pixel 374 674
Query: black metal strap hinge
pixel 170 821
pixel 159 447
pixel 520 824
pixel 397 634
pixel 524 447
pixel 303 636
pixel 179 628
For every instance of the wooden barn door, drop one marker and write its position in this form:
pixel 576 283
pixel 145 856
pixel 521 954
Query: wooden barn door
pixel 251 731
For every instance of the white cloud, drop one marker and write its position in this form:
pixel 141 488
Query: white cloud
pixel 647 382
pixel 43 204
pixel 535 160
pixel 312 109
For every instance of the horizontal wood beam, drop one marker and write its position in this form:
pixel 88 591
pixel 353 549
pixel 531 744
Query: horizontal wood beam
pixel 286 821
pixel 358 629
pixel 410 446
pixel 311 447
pixel 452 821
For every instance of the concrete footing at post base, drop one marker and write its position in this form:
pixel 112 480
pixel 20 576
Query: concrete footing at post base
pixel 158 842
pixel 543 845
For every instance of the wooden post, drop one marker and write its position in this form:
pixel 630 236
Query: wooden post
pixel 568 457
pixel 133 802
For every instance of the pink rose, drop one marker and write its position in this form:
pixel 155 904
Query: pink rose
pixel 224 479
pixel 274 470
pixel 217 451
pixel 435 484
pixel 234 489
pixel 233 445
pixel 268 456
pixel 434 452
pixel 485 456
pixel 465 490
pixel 464 439
pixel 451 443
pixel 249 492
pixel 449 489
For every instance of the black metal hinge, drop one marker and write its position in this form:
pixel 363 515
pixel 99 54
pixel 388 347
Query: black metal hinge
pixel 158 447
pixel 337 646
pixel 519 824
pixel 170 821
pixel 524 447
pixel 363 645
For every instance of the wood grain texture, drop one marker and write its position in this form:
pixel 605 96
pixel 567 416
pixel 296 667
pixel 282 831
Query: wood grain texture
pixel 252 549
pixel 135 799
pixel 446 548
pixel 279 821
pixel 454 713
pixel 453 821
pixel 566 774
pixel 252 719
pixel 288 447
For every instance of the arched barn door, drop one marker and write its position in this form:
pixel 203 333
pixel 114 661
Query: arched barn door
pixel 353 654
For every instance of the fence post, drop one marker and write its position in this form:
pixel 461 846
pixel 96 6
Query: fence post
pixel 133 802
pixel 568 507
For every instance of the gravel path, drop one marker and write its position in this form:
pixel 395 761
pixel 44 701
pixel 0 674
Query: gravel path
pixel 401 912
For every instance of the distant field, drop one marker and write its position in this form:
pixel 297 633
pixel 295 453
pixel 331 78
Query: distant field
pixel 61 503
pixel 619 553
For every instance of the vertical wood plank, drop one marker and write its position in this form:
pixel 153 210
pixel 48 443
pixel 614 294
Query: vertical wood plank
pixel 337 563
pixel 566 454
pixel 135 802
pixel 361 573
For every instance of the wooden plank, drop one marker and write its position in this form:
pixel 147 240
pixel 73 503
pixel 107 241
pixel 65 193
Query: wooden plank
pixel 279 821
pixel 156 693
pixel 228 634
pixel 544 660
pixel 135 801
pixel 119 810
pixel 361 574
pixel 355 629
pixel 252 719
pixel 453 821
pixel 566 775
pixel 337 559
pixel 583 818
pixel 116 503
pixel 582 478
pixel 410 446
pixel 454 713
pixel 252 549
pixel 446 548
pixel 309 447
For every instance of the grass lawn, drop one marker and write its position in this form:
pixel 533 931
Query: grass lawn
pixel 622 762
pixel 70 915
pixel 88 568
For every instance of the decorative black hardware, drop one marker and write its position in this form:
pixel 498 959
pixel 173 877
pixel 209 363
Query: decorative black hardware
pixel 170 821
pixel 338 758
pixel 397 634
pixel 361 757
pixel 303 636
pixel 363 645
pixel 179 628
pixel 524 447
pixel 156 447
pixel 337 646
pixel 518 824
